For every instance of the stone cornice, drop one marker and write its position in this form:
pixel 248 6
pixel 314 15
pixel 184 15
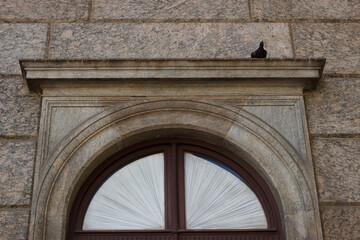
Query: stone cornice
pixel 303 73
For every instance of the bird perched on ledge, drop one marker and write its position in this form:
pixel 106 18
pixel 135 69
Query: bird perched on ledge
pixel 260 52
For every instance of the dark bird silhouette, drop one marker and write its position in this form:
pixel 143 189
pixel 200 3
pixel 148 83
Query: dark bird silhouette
pixel 260 52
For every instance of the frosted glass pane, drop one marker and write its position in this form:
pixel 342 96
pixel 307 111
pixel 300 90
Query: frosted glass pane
pixel 130 199
pixel 217 198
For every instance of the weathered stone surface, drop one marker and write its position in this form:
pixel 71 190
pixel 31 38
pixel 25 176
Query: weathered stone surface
pixel 339 43
pixel 282 119
pixel 334 108
pixel 14 224
pixel 20 41
pixel 71 117
pixel 43 9
pixel 173 9
pixel 300 9
pixel 19 109
pixel 168 40
pixel 16 168
pixel 341 223
pixel 337 167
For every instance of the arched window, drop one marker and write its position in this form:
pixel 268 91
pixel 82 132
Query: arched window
pixel 174 189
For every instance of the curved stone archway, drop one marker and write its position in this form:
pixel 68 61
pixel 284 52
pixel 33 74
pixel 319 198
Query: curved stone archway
pixel 115 128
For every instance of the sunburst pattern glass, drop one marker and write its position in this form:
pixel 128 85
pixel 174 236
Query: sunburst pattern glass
pixel 218 198
pixel 130 199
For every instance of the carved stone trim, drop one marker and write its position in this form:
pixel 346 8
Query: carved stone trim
pixel 302 73
pixel 251 107
pixel 115 128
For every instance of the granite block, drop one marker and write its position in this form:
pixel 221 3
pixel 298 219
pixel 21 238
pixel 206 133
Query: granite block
pixel 43 9
pixel 334 108
pixel 168 40
pixel 341 223
pixel 14 224
pixel 306 9
pixel 20 41
pixel 173 9
pixel 337 167
pixel 19 109
pixel 339 43
pixel 16 168
pixel 14 86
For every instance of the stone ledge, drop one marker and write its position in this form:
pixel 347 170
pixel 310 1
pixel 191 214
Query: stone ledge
pixel 303 73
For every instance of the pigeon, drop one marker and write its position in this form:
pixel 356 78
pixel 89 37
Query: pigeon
pixel 260 52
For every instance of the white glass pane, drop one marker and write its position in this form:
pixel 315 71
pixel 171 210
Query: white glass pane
pixel 130 199
pixel 217 198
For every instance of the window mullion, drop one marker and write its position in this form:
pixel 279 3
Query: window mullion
pixel 181 187
pixel 171 195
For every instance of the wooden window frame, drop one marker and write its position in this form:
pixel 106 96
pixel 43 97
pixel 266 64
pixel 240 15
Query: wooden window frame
pixel 175 228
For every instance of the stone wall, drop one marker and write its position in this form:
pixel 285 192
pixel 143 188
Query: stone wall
pixel 103 29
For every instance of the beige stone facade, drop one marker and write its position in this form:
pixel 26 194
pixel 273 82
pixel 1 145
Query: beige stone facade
pixel 323 147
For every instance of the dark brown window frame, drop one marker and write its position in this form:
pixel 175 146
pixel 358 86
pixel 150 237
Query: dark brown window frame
pixel 174 194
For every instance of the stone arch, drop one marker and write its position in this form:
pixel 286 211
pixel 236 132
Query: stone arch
pixel 115 128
